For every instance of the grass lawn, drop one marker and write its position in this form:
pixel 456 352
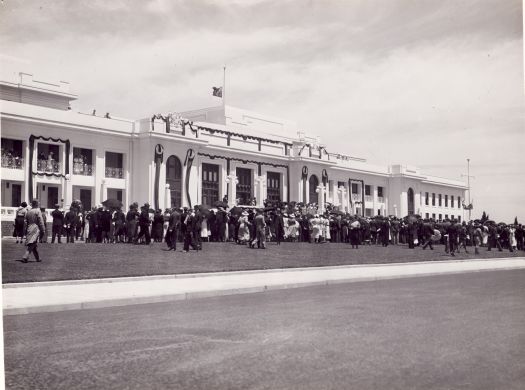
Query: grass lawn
pixel 89 261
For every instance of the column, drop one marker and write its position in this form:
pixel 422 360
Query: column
pixel 68 190
pixel 343 206
pixel 260 181
pixel 374 200
pixel 103 191
pixel 321 191
pixel 232 181
pixel 335 192
pixel 167 197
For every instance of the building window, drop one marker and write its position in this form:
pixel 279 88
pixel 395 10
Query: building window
pixel 368 190
pixel 174 179
pixel 459 202
pixel 210 184
pixel 459 218
pixel 426 198
pixel 446 216
pixel 354 188
pixel 273 185
pixel 48 159
pixel 426 215
pixel 379 192
pixel 378 211
pixel 433 199
pixel 440 217
pixel 82 162
pixel 244 186
pixel 114 165
pixel 446 200
pixel 439 200
pixel 452 201
pixel 433 216
pixel 368 212
pixel 12 152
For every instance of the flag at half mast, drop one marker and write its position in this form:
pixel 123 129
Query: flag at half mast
pixel 217 91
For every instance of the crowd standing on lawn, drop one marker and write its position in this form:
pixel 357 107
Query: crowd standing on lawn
pixel 251 226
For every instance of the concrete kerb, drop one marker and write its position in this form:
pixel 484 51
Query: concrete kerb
pixel 246 272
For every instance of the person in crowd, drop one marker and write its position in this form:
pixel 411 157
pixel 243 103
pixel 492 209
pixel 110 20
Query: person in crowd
pixel 144 223
pixel 173 230
pixel 428 234
pixel 243 237
pixel 119 223
pixel 493 240
pixel 355 227
pixel 20 218
pixel 394 231
pixel 131 222
pixel 260 236
pixel 58 223
pixel 278 226
pixel 385 232
pixel 189 222
pixel 70 220
pixel 35 227
pixel 157 226
pixel 463 236
pixel 197 226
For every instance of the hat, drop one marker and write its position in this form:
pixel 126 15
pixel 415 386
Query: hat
pixel 244 213
pixel 57 206
pixel 146 205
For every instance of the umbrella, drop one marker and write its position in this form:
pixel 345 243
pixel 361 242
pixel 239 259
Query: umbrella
pixel 220 203
pixel 112 203
pixel 205 211
pixel 236 210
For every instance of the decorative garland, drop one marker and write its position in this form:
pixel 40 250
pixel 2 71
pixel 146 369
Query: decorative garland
pixel 320 148
pixel 233 134
pixel 212 157
pixel 188 161
pixel 305 178
pixel 31 155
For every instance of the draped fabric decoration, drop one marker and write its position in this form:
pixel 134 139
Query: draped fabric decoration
pixel 211 156
pixel 159 155
pixel 168 120
pixel 31 156
pixel 305 178
pixel 324 176
pixel 190 155
pixel 230 134
pixel 321 150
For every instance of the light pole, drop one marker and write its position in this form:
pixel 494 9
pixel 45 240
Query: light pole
pixel 469 207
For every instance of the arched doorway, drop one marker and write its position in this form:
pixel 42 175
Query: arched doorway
pixel 174 179
pixel 313 182
pixel 410 201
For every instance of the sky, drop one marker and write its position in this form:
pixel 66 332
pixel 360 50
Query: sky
pixel 425 83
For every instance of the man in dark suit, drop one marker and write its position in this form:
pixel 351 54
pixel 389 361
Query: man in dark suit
pixel 260 233
pixel 278 224
pixel 174 226
pixel 427 232
pixel 70 221
pixel 144 224
pixel 58 223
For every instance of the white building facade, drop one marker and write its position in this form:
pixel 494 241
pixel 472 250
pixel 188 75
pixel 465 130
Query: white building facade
pixel 56 155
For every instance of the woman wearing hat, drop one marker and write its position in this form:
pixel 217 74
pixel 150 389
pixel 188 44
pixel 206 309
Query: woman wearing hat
pixel 35 228
pixel 244 228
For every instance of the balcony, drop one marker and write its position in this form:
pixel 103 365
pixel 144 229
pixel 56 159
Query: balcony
pixel 380 199
pixel 114 173
pixel 48 166
pixel 83 169
pixel 10 162
pixel 368 198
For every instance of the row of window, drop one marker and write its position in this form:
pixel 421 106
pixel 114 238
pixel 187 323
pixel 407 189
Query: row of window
pixel 440 216
pixel 368 189
pixel 440 200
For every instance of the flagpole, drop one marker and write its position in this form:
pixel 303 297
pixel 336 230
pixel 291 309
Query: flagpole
pixel 224 87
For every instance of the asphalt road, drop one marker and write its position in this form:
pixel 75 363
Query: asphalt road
pixel 462 331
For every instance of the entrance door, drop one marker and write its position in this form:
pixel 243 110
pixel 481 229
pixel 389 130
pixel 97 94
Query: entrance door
pixel 174 179
pixel 244 187
pixel 52 197
pixel 410 201
pixel 16 195
pixel 85 198
pixel 313 182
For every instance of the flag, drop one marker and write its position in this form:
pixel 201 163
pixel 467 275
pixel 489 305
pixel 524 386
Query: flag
pixel 217 91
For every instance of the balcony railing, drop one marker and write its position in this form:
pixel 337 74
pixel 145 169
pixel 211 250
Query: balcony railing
pixel 82 169
pixel 49 166
pixel 368 198
pixel 380 199
pixel 115 173
pixel 12 162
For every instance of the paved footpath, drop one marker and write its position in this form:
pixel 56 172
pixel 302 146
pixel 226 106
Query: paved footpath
pixel 24 298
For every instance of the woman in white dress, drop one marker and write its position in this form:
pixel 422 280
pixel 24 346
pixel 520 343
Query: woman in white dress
pixel 316 228
pixel 244 229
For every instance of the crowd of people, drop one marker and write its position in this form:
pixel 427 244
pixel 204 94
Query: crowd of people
pixel 254 227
